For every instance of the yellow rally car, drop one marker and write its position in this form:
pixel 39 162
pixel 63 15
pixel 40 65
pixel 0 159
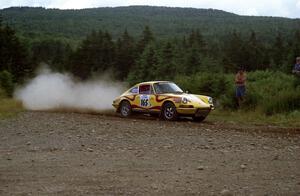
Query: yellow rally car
pixel 163 98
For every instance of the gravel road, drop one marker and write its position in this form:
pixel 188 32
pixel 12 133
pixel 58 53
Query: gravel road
pixel 55 153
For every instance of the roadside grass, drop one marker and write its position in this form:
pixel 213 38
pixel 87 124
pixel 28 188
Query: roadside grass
pixel 9 108
pixel 291 119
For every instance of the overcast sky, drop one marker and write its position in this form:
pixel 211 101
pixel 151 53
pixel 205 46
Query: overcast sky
pixel 284 8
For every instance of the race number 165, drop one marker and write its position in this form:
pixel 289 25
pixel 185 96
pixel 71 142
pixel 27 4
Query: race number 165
pixel 145 101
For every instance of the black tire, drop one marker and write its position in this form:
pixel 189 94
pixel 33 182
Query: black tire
pixel 125 109
pixel 199 118
pixel 169 111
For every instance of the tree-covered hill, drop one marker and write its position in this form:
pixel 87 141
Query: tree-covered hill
pixel 165 22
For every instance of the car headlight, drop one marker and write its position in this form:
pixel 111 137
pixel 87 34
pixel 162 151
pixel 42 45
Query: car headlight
pixel 210 100
pixel 185 100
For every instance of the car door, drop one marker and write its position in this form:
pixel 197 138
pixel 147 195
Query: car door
pixel 146 98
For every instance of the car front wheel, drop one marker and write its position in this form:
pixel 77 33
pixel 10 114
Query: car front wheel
pixel 169 111
pixel 125 109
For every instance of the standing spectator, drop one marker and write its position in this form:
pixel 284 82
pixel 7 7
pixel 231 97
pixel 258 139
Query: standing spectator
pixel 240 82
pixel 296 69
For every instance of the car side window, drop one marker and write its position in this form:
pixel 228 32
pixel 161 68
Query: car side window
pixel 134 90
pixel 145 89
pixel 157 89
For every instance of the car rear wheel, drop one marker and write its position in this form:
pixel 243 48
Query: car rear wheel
pixel 125 109
pixel 169 111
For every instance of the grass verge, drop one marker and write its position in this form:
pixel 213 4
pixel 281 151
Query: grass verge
pixel 256 118
pixel 9 108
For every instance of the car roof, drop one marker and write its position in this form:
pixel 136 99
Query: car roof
pixel 151 82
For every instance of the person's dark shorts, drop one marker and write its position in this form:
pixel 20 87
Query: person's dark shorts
pixel 240 91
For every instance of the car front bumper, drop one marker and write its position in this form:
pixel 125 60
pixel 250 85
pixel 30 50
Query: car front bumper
pixel 194 111
pixel 115 105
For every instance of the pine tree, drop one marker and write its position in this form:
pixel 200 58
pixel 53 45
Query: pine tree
pixel 145 67
pixel 294 47
pixel 196 40
pixel 253 58
pixel 233 52
pixel 6 83
pixel 52 52
pixel 278 53
pixel 125 55
pixel 13 54
pixel 166 69
pixel 146 38
pixel 192 61
pixel 95 55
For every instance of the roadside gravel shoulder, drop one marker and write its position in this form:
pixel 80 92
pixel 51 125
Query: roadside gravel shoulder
pixel 50 153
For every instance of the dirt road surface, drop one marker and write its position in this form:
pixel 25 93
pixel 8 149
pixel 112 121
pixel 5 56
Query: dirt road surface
pixel 48 153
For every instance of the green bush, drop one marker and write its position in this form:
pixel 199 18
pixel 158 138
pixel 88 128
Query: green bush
pixel 228 101
pixel 252 98
pixel 269 83
pixel 268 91
pixel 6 83
pixel 284 101
pixel 2 93
pixel 212 84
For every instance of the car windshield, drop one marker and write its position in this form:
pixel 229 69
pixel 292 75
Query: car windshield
pixel 167 87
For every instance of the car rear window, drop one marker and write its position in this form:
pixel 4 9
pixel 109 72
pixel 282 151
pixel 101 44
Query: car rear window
pixel 134 90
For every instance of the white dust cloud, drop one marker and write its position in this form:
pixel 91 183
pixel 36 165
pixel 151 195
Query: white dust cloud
pixel 50 91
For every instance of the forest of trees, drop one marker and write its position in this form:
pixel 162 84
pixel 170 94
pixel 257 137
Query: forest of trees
pixel 73 25
pixel 147 56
